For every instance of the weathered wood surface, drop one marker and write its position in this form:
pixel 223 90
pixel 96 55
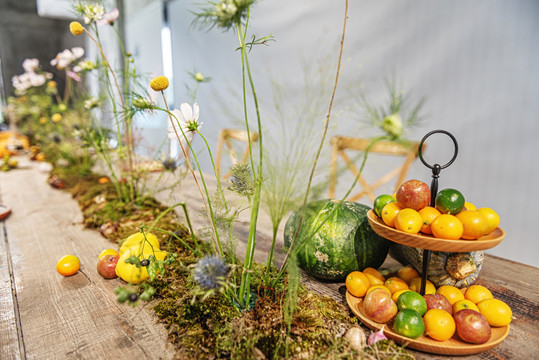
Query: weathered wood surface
pixel 49 316
pixel 74 317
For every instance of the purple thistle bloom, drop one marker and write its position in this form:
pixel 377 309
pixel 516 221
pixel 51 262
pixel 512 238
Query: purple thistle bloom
pixel 210 271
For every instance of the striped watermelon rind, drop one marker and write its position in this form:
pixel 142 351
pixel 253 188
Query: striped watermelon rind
pixel 343 243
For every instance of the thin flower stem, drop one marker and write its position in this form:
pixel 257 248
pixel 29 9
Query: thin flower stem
pixel 270 256
pixel 126 123
pixel 182 204
pixel 67 89
pixel 251 242
pixel 326 126
pixel 206 200
pixel 242 46
pixel 219 186
pixel 194 251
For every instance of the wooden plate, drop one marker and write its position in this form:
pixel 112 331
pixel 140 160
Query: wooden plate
pixel 453 346
pixel 429 242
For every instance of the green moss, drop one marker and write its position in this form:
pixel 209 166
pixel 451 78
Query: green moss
pixel 215 328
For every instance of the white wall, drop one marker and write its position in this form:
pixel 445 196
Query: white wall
pixel 474 61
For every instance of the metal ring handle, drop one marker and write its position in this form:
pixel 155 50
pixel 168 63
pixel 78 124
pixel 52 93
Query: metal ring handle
pixel 436 165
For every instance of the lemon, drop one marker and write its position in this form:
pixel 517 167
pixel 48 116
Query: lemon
pixel 495 311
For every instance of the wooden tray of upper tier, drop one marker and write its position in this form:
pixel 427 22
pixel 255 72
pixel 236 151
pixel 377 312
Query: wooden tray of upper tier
pixel 453 346
pixel 429 242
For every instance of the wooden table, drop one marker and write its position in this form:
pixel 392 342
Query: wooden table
pixel 47 316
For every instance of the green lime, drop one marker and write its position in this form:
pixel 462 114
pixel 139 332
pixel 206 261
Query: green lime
pixel 450 201
pixel 409 323
pixel 380 202
pixel 412 300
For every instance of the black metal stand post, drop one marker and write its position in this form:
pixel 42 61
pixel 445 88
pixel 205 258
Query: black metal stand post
pixel 436 168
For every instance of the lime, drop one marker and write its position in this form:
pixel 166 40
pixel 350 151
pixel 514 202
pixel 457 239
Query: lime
pixel 409 323
pixel 380 202
pixel 412 300
pixel 450 201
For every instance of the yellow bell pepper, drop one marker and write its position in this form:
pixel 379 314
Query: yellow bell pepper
pixel 129 272
pixel 136 241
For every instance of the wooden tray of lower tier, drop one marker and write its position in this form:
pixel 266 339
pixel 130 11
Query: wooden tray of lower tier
pixel 429 242
pixel 453 346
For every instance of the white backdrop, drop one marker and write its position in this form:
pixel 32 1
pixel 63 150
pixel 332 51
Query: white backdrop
pixel 475 62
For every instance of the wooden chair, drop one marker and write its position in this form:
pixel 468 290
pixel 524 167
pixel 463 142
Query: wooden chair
pixel 225 135
pixel 341 143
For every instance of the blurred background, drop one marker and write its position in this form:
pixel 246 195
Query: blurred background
pixel 474 63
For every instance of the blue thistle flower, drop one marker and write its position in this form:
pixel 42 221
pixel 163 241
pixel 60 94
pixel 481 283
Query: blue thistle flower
pixel 210 271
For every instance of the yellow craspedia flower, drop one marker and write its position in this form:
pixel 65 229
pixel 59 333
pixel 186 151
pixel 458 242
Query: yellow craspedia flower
pixel 76 28
pixel 159 83
pixel 56 117
pixel 51 84
pixel 43 120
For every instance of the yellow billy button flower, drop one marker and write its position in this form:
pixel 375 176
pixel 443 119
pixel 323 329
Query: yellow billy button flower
pixel 43 120
pixel 159 83
pixel 56 117
pixel 51 84
pixel 76 28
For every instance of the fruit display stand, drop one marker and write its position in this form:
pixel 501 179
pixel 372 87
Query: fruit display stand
pixel 428 243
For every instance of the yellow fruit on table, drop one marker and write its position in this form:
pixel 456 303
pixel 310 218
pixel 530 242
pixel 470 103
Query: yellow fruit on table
pixel 108 252
pixel 439 324
pixel 464 304
pixel 396 294
pixel 138 240
pixel 452 293
pixel 407 273
pixel 495 311
pixel 371 288
pixel 409 221
pixel 476 293
pixel 395 284
pixel 415 285
pixel 129 272
pixel 40 157
pixel 68 265
pixel 428 214
pixel 357 283
pixel 375 273
pixel 493 219
pixel 447 226
pixel 389 212
pixel 474 223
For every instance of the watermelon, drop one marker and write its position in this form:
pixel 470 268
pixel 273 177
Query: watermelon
pixel 331 249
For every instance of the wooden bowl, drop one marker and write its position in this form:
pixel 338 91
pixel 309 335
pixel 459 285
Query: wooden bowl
pixel 453 346
pixel 429 242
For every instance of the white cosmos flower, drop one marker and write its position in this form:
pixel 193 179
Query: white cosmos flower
pixel 109 17
pixel 30 65
pixel 187 118
pixel 77 52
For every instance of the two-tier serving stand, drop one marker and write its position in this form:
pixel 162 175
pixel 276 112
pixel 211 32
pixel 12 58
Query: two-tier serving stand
pixel 428 244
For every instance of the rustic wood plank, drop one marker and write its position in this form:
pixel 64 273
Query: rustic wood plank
pixel 10 341
pixel 73 317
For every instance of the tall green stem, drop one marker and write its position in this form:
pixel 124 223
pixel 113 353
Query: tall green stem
pixel 219 186
pixel 251 241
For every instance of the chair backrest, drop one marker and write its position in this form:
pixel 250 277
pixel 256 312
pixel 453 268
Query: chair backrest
pixel 225 136
pixel 341 143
